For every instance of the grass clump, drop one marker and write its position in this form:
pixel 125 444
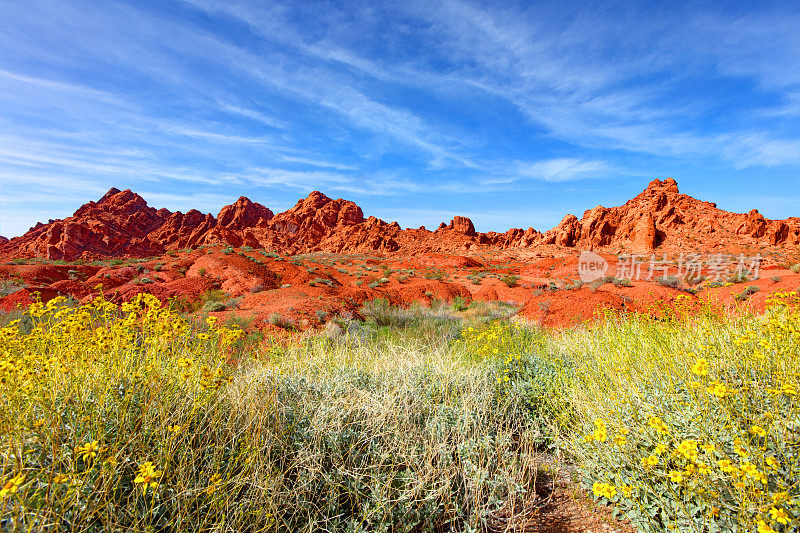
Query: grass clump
pixel 276 319
pixel 746 293
pixel 434 274
pixel 672 282
pixel 11 285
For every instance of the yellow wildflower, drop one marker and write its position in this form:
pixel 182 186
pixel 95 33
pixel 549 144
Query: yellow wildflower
pixel 763 527
pixel 11 486
pixel 89 450
pixel 657 424
pixel 147 476
pixel 749 469
pixel 675 476
pixel 650 460
pixel 719 390
pixel 779 515
pixel 700 368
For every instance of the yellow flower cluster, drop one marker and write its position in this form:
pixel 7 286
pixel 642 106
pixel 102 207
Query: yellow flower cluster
pixel 147 476
pixel 606 490
pixel 10 487
pixel 727 441
pixel 86 357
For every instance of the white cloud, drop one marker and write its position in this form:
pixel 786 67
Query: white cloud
pixel 562 169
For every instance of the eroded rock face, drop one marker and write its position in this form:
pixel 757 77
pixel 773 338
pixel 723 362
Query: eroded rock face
pixel 122 224
pixel 662 215
pixel 243 214
pixel 645 235
pixel 119 223
pixel 462 225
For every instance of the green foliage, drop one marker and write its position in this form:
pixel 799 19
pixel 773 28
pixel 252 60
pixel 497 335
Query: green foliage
pixel 510 280
pixel 214 295
pixel 746 293
pixel 738 277
pixel 11 285
pixel 434 273
pixel 213 307
pixel 276 319
pixel 672 282
pixel 459 303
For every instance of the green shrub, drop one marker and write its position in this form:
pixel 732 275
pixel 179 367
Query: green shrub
pixel 213 307
pixel 459 304
pixel 434 273
pixel 686 427
pixel 672 282
pixel 738 277
pixel 510 280
pixel 11 285
pixel 214 295
pixel 746 293
pixel 276 319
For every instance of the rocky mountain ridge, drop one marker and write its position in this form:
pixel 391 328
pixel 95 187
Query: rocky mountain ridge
pixel 121 224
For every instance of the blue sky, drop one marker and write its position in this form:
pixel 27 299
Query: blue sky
pixel 510 113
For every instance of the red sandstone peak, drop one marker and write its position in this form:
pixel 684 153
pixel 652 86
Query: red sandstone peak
pixel 122 224
pixel 244 214
pixel 111 192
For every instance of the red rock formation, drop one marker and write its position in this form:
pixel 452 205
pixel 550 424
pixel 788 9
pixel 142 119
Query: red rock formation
pixel 183 231
pixel 118 224
pixel 462 225
pixel 122 224
pixel 243 214
pixel 661 215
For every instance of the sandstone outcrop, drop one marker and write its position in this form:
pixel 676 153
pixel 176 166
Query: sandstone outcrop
pixel 121 224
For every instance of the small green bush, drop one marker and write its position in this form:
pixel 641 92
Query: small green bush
pixel 669 281
pixel 435 274
pixel 460 304
pixel 276 319
pixel 214 295
pixel 213 307
pixel 746 293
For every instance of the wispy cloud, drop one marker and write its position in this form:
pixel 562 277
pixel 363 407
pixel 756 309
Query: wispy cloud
pixel 317 163
pixel 563 169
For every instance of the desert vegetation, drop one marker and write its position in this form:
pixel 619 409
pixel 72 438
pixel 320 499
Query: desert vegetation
pixel 135 417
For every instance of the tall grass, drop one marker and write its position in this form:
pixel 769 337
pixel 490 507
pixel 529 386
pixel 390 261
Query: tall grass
pixel 132 418
pixel 422 419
